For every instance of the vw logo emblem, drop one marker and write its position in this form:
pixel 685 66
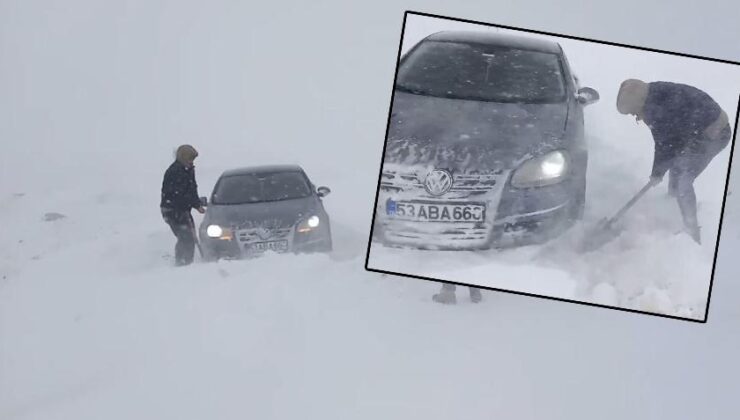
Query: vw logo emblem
pixel 263 233
pixel 438 182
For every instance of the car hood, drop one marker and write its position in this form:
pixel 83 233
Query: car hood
pixel 470 135
pixel 274 214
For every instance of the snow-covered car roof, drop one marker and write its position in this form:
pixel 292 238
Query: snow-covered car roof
pixel 262 169
pixel 489 38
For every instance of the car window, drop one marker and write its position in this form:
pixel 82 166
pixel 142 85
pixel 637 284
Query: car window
pixel 481 72
pixel 256 188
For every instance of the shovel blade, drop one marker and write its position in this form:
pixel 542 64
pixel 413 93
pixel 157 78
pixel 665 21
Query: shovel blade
pixel 599 236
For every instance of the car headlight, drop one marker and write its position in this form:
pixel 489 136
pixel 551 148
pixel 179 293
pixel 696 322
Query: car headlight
pixel 216 231
pixel 309 224
pixel 540 171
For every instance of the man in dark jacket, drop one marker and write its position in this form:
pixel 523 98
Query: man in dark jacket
pixel 179 196
pixel 689 129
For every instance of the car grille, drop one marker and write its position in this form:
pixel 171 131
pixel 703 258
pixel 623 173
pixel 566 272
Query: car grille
pixel 463 185
pixel 475 187
pixel 263 235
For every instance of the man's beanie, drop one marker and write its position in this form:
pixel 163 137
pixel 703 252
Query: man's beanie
pixel 186 154
pixel 632 96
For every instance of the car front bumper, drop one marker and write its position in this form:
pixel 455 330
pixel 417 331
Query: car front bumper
pixel 514 217
pixel 241 246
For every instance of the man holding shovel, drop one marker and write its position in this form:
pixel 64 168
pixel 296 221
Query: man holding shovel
pixel 689 129
pixel 179 197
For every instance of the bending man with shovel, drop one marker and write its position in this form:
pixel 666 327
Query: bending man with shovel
pixel 689 129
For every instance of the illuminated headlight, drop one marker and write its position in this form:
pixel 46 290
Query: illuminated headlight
pixel 218 232
pixel 540 171
pixel 313 221
pixel 309 224
pixel 214 231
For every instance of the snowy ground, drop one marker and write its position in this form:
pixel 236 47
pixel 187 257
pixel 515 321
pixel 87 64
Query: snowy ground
pixel 648 268
pixel 95 324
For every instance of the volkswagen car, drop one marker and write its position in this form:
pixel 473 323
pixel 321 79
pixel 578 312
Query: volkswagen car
pixel 262 209
pixel 485 144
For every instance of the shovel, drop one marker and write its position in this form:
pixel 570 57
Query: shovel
pixel 604 231
pixel 195 235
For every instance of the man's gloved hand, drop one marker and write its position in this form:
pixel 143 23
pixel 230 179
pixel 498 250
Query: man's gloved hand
pixel 201 210
pixel 655 180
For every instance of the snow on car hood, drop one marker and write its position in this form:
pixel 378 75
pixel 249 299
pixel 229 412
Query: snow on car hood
pixel 272 214
pixel 470 135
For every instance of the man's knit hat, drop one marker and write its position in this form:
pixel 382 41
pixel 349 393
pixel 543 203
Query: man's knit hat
pixel 186 154
pixel 632 96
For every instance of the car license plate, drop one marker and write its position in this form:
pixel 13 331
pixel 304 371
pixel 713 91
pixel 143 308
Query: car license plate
pixel 436 212
pixel 277 246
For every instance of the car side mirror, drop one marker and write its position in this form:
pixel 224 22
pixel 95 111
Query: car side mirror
pixel 587 96
pixel 203 201
pixel 323 191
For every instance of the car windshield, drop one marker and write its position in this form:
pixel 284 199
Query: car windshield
pixel 256 188
pixel 482 72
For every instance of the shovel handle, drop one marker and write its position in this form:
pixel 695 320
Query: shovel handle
pixel 630 203
pixel 195 234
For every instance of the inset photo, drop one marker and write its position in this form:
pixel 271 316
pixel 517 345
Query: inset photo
pixel 554 166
